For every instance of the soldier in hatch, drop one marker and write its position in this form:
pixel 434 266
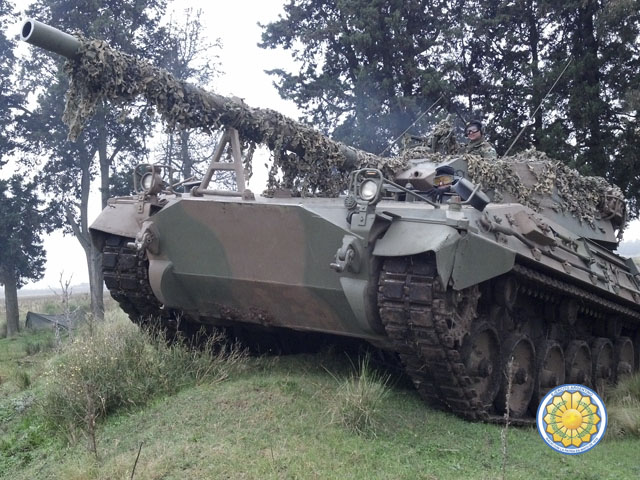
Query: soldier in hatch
pixel 477 144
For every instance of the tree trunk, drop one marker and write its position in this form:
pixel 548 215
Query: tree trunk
pixel 591 80
pixel 103 158
pixel 536 76
pixel 81 231
pixel 587 110
pixel 187 161
pixel 11 303
pixel 96 281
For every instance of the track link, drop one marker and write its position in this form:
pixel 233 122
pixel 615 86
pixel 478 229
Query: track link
pixel 541 280
pixel 126 276
pixel 417 316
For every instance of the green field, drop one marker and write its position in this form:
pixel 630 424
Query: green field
pixel 267 417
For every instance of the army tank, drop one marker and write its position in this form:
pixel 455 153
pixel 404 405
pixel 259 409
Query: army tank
pixel 484 278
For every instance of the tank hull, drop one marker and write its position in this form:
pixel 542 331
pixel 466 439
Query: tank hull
pixel 452 291
pixel 269 265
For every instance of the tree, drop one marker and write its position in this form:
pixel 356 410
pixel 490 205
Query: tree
pixel 603 39
pixel 188 55
pixel 22 256
pixel 367 68
pixel 11 98
pixel 111 139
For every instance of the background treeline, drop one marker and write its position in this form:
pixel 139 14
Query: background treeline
pixel 34 138
pixel 368 68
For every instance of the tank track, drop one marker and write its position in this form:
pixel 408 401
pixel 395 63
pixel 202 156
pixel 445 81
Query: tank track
pixel 597 302
pixel 126 276
pixel 418 315
pixel 414 311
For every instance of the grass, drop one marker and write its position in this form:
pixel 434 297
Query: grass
pixel 624 409
pixel 117 366
pixel 359 398
pixel 269 422
pixel 274 418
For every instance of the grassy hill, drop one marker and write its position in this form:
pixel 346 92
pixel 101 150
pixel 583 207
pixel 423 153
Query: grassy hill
pixel 261 418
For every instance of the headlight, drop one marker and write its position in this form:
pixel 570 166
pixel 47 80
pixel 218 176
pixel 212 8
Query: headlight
pixel 151 183
pixel 146 182
pixel 368 190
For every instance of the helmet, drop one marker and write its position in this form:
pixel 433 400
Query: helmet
pixel 475 123
pixel 444 176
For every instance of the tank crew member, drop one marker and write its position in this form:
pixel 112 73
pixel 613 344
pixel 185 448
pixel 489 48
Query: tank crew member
pixel 477 144
pixel 442 182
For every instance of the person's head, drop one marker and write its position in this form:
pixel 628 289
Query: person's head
pixel 473 130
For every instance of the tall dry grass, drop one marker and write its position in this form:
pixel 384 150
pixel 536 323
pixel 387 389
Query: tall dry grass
pixel 359 398
pixel 117 365
pixel 623 408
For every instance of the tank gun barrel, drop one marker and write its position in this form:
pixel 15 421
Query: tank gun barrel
pixel 49 38
pixel 185 105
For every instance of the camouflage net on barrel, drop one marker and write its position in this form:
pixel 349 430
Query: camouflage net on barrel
pixel 304 160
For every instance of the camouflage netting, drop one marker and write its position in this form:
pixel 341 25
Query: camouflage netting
pixel 586 198
pixel 582 196
pixel 306 161
pixel 436 148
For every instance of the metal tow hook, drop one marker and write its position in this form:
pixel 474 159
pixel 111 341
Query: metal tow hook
pixel 147 239
pixel 347 256
pixel 343 259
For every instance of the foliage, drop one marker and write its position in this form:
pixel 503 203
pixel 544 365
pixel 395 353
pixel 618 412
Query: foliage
pixel 22 256
pixel 366 69
pixel 189 56
pixel 39 345
pixel 112 140
pixel 623 407
pixel 11 97
pixel 358 400
pixel 120 366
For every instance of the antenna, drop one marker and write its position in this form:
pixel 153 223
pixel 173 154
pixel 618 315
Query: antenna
pixel 414 122
pixel 538 108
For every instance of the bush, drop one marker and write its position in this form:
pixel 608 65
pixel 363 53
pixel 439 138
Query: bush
pixel 623 408
pixel 121 366
pixel 359 398
pixel 44 344
pixel 22 379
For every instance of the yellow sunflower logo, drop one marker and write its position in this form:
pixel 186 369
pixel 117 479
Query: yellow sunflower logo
pixel 571 419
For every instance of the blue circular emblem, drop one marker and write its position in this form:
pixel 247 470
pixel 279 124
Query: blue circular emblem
pixel 571 419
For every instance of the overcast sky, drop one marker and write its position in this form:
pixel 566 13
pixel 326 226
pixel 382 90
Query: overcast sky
pixel 243 65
